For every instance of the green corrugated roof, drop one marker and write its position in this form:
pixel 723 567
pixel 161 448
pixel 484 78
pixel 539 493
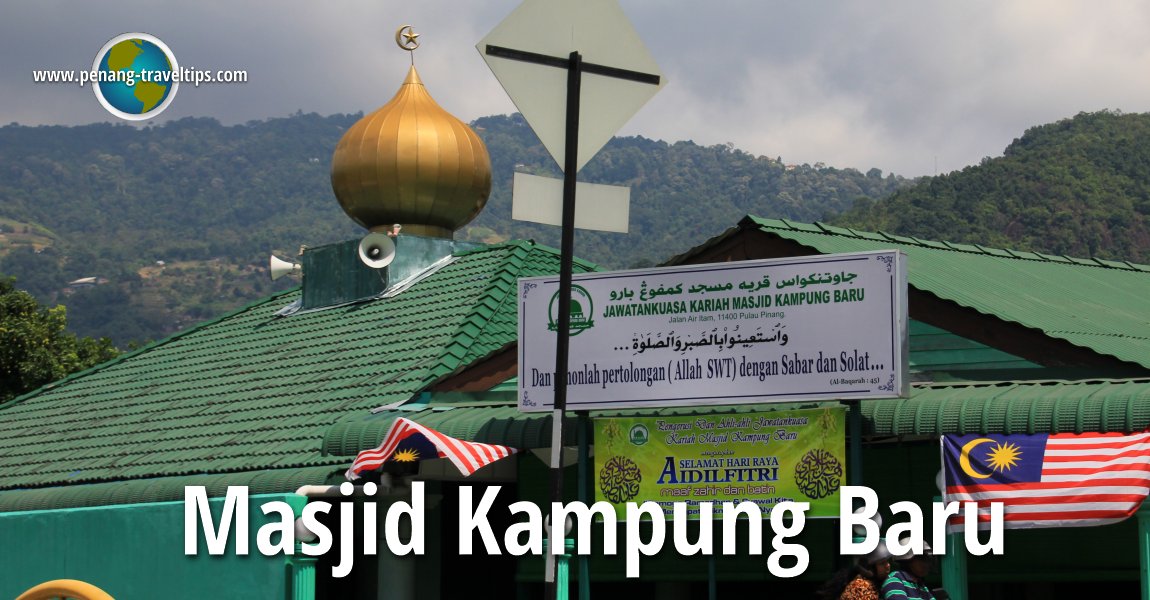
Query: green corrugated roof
pixel 164 489
pixel 933 349
pixel 1099 305
pixel 254 391
pixel 498 421
pixel 1013 407
pixel 931 410
pixel 255 397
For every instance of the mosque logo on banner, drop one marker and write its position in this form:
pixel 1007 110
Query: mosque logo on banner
pixel 582 310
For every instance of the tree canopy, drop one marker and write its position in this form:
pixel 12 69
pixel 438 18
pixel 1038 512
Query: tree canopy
pixel 35 348
pixel 1077 187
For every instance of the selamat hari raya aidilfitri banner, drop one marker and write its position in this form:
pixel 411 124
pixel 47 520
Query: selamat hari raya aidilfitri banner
pixel 761 457
pixel 824 327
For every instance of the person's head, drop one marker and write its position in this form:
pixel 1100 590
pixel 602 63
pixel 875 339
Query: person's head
pixel 877 564
pixel 919 565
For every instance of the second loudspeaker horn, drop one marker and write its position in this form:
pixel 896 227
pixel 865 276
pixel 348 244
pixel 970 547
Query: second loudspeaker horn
pixel 377 250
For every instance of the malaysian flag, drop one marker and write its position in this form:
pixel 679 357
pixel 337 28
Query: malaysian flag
pixel 1048 480
pixel 408 441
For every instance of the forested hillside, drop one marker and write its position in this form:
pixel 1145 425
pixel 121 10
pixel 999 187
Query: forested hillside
pixel 1078 187
pixel 681 193
pixel 208 201
pixel 175 222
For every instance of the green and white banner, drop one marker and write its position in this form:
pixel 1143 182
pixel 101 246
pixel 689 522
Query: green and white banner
pixel 764 457
pixel 803 328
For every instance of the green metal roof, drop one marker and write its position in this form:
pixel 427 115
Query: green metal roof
pixel 277 401
pixel 1013 407
pixel 933 350
pixel 164 489
pixel 497 421
pixel 1099 305
pixel 931 410
pixel 253 391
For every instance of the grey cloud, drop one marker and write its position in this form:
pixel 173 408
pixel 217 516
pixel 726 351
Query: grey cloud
pixel 894 84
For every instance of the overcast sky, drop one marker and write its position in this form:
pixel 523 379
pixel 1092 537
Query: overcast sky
pixel 912 87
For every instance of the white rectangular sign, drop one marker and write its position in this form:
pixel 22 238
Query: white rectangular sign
pixel 806 328
pixel 600 207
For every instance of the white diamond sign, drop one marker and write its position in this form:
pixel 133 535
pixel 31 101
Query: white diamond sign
pixel 600 32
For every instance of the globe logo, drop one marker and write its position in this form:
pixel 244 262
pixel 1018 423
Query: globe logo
pixel 135 76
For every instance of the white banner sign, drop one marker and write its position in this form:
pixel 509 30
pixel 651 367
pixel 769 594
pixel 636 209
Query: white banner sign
pixel 807 328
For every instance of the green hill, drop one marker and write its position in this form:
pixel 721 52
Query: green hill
pixel 1078 187
pixel 109 201
pixel 175 222
pixel 179 219
pixel 681 193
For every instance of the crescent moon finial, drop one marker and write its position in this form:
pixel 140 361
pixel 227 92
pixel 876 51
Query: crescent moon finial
pixel 405 37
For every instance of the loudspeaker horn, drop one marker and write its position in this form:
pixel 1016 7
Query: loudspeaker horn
pixel 377 250
pixel 279 267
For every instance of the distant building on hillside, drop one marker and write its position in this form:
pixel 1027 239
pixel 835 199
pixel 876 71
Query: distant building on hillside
pixel 83 283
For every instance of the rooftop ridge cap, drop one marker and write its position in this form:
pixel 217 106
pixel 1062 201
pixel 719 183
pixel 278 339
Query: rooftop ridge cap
pixel 825 227
pixel 1084 331
pixel 145 348
pixel 1026 382
pixel 521 247
pixel 485 247
pixel 531 244
pixel 334 467
pixel 590 266
pixel 982 249
pixel 764 221
pixel 1042 257
pixel 522 250
pixel 1135 266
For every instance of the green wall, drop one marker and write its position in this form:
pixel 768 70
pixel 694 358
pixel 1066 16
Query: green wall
pixel 136 551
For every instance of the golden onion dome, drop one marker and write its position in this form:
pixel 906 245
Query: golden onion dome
pixel 412 163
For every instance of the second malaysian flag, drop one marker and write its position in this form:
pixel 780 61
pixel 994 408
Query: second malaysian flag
pixel 408 441
pixel 1049 480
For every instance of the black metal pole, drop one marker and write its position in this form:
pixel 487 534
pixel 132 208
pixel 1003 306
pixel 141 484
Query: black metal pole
pixel 584 421
pixel 566 261
pixel 575 69
pixel 854 419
